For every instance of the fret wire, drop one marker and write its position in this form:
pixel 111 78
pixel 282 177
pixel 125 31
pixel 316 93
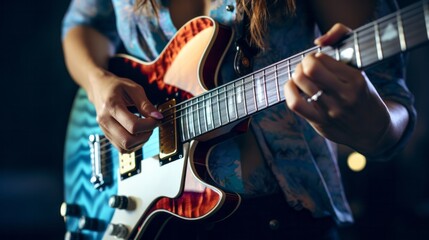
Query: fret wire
pixel 218 107
pixel 368 46
pixel 254 92
pixel 198 117
pixel 426 13
pixel 211 112
pixel 276 78
pixel 192 123
pixel 205 115
pixel 357 51
pixel 391 41
pixel 234 101
pixel 184 129
pixel 401 32
pixel 226 106
pixel 188 120
pixel 337 54
pixel 203 119
pixel 378 41
pixel 244 96
pixel 265 88
pixel 289 69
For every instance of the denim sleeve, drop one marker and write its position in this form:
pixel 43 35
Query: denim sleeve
pixel 98 14
pixel 388 78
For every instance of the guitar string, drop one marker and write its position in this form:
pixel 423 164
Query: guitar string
pixel 193 107
pixel 366 39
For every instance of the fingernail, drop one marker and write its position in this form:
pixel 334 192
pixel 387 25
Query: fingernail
pixel 156 115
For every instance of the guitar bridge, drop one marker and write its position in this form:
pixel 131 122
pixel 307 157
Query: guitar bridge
pixel 168 149
pixel 98 149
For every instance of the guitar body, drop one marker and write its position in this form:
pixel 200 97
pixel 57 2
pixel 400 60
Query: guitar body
pixel 155 189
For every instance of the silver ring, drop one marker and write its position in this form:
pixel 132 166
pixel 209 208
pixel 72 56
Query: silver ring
pixel 315 97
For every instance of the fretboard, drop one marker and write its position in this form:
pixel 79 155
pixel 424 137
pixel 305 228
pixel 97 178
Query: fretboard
pixel 395 33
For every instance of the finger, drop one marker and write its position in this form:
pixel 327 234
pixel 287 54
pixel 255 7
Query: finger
pixel 298 104
pixel 145 125
pixel 333 36
pixel 129 121
pixel 145 107
pixel 119 137
pixel 340 68
pixel 346 81
pixel 313 76
pixel 307 86
pixel 136 143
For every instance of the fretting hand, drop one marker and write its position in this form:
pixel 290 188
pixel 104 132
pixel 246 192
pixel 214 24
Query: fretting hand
pixel 343 105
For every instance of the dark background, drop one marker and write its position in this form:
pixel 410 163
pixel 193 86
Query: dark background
pixel 390 199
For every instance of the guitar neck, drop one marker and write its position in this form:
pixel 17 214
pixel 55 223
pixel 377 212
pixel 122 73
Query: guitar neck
pixel 395 33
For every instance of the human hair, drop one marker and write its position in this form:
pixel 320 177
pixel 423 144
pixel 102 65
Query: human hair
pixel 258 12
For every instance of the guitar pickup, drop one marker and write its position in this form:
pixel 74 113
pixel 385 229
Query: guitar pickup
pixel 128 163
pixel 168 135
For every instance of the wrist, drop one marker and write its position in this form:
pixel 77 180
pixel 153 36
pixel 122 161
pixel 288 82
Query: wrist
pixel 94 77
pixel 392 131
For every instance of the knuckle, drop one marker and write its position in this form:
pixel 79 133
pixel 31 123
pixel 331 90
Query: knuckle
pixel 126 143
pixel 310 66
pixel 110 106
pixel 131 126
pixel 335 113
pixel 338 26
pixel 102 120
pixel 146 106
pixel 293 104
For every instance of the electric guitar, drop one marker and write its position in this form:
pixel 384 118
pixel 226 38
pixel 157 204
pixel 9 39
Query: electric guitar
pixel 131 196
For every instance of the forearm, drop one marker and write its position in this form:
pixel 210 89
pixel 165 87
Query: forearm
pixel 86 53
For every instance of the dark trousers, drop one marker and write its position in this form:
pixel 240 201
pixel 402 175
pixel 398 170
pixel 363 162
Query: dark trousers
pixel 257 218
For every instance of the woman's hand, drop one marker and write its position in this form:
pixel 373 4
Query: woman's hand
pixel 111 97
pixel 349 109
